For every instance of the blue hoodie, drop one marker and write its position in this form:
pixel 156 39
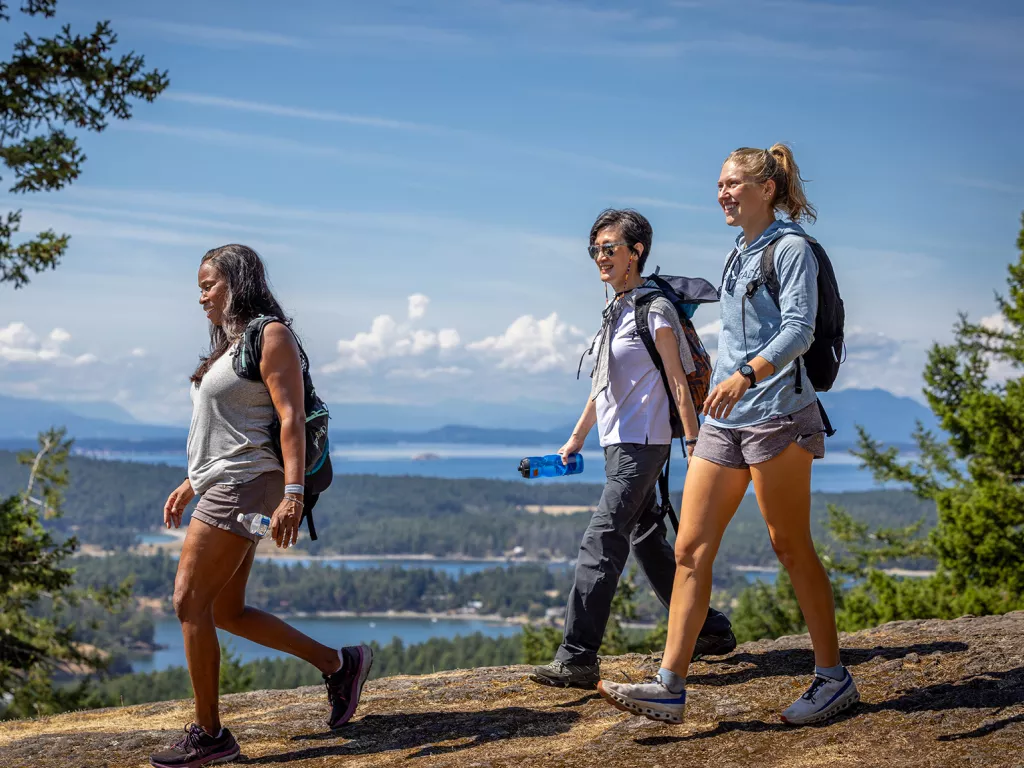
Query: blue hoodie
pixel 778 334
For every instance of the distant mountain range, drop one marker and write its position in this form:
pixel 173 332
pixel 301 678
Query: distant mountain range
pixel 100 425
pixel 24 419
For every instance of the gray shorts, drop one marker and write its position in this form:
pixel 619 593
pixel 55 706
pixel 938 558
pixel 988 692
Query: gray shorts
pixel 221 503
pixel 739 448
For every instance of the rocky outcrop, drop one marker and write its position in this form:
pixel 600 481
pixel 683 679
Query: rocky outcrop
pixel 934 693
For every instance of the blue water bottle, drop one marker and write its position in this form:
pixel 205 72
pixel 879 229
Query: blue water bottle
pixel 551 466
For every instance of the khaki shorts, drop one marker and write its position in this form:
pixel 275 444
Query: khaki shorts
pixel 221 504
pixel 739 448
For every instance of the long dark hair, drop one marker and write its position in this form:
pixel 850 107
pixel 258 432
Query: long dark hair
pixel 249 296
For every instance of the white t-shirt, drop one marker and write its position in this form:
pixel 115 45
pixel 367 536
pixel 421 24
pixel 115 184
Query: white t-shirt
pixel 633 408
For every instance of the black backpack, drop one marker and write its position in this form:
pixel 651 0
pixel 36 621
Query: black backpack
pixel 319 471
pixel 828 350
pixel 685 294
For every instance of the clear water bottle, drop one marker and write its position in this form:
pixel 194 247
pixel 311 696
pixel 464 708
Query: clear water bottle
pixel 551 466
pixel 255 523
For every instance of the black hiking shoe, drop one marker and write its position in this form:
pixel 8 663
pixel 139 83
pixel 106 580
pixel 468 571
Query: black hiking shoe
pixel 197 748
pixel 562 675
pixel 345 686
pixel 714 644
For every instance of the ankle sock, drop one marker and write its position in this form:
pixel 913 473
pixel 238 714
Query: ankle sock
pixel 341 663
pixel 838 672
pixel 672 681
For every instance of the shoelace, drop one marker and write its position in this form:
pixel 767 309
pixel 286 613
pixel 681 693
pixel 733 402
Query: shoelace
pixel 334 694
pixel 192 737
pixel 818 682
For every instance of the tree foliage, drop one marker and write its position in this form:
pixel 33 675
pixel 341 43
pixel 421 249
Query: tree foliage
pixel 36 644
pixel 50 86
pixel 974 474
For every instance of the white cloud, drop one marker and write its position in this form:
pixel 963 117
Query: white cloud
pixel 19 344
pixel 875 359
pixel 218 37
pixel 418 306
pixel 996 322
pixel 388 339
pixel 1000 370
pixel 534 346
pixel 421 374
pixel 281 110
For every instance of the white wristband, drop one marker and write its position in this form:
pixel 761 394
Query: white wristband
pixel 295 488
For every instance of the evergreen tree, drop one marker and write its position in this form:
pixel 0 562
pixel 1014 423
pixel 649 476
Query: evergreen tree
pixel 235 676
pixel 973 474
pixel 67 81
pixel 33 647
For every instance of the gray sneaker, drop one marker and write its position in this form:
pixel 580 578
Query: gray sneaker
pixel 652 700
pixel 563 675
pixel 824 699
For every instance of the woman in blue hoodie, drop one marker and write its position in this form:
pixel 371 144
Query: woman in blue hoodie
pixel 759 427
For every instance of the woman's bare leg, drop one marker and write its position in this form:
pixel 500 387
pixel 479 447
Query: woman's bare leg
pixel 783 488
pixel 710 498
pixel 230 613
pixel 209 558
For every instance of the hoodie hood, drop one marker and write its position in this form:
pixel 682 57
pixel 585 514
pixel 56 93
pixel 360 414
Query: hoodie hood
pixel 777 229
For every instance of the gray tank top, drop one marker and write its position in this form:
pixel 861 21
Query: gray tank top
pixel 229 437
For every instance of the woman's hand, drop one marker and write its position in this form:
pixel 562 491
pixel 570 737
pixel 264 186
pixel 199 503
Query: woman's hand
pixel 722 398
pixel 284 523
pixel 176 503
pixel 573 445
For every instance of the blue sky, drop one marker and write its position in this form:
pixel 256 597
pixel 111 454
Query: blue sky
pixel 457 152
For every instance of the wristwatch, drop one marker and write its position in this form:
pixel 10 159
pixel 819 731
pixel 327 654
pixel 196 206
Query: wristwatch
pixel 747 371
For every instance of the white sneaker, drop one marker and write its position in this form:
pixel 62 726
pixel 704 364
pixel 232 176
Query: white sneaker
pixel 824 699
pixel 652 700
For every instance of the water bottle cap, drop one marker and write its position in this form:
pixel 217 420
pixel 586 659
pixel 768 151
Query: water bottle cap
pixel 524 467
pixel 240 518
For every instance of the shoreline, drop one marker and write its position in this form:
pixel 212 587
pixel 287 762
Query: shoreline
pixel 270 552
pixel 491 618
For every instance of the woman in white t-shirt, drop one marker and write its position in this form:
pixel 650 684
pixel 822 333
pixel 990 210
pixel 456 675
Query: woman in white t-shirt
pixel 629 404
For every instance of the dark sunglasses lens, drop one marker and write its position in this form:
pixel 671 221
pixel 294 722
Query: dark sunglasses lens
pixel 593 250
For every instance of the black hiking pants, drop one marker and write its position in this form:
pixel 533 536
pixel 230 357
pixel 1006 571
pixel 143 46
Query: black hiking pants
pixel 627 517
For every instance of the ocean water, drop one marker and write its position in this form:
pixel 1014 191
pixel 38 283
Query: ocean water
pixel 836 473
pixel 332 631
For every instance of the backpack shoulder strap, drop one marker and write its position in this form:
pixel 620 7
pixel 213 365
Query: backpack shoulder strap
pixel 728 265
pixel 249 351
pixel 642 312
pixel 769 276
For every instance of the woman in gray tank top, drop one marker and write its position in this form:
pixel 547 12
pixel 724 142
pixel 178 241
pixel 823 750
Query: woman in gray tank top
pixel 234 467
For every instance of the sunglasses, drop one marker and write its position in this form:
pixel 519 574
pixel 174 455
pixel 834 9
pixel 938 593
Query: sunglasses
pixel 608 249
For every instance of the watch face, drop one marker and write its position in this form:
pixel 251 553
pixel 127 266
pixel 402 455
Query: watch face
pixel 746 370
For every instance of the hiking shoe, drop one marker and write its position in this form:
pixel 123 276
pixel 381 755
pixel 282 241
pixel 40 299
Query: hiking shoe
pixel 345 686
pixel 651 700
pixel 196 748
pixel 710 644
pixel 824 699
pixel 562 675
